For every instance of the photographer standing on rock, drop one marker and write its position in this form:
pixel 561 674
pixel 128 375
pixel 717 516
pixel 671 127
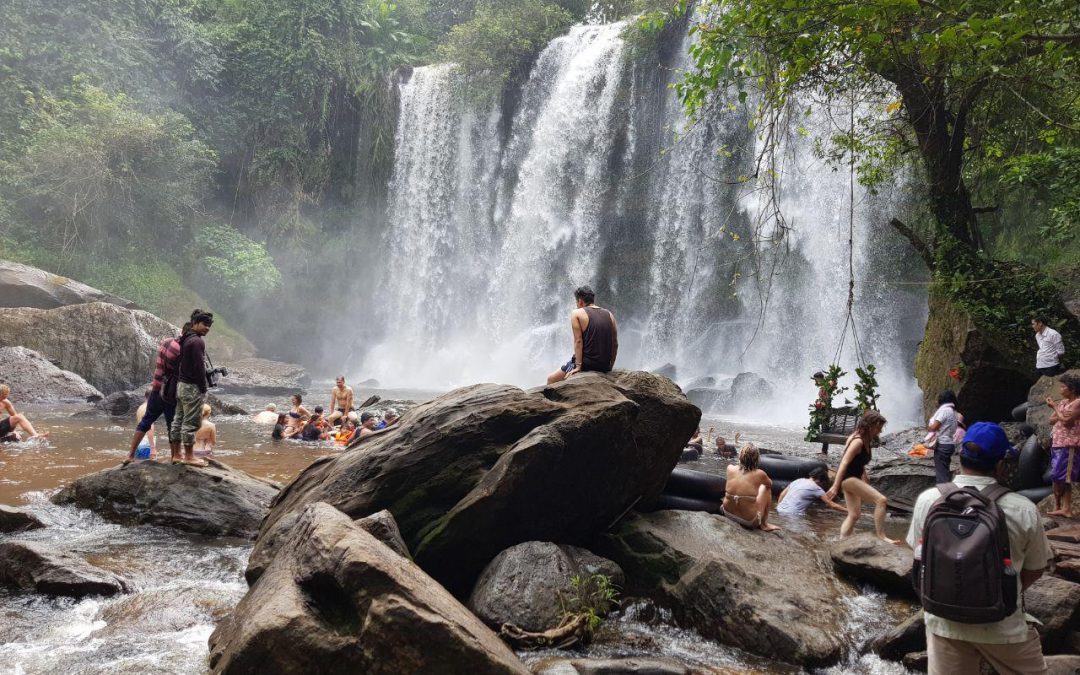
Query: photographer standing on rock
pixel 191 390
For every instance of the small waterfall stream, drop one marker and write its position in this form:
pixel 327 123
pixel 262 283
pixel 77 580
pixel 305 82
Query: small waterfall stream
pixel 596 176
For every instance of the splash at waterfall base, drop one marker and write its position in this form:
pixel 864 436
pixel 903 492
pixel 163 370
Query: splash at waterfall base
pixel 488 467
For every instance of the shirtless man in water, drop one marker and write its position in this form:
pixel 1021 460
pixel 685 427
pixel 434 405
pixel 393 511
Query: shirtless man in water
pixel 748 494
pixel 596 337
pixel 14 420
pixel 341 401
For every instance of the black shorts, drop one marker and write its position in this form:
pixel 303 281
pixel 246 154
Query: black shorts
pixel 155 408
pixel 5 427
pixel 1052 371
pixel 570 365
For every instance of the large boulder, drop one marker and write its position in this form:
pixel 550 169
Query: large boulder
pixel 637 665
pixel 865 558
pixel 771 595
pixel 14 519
pixel 1063 664
pixel 1038 413
pixel 997 369
pixel 34 378
pixel 124 403
pixel 36 567
pixel 485 467
pixel 26 286
pixel 216 500
pixel 748 392
pixel 706 397
pixel 903 478
pixel 263 376
pixel 336 600
pixel 111 347
pixel 529 584
pixel 1056 604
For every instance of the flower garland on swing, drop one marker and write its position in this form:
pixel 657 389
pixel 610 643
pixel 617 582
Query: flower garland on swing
pixel 828 387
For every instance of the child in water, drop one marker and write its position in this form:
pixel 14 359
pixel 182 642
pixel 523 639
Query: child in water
pixel 279 429
pixel 206 436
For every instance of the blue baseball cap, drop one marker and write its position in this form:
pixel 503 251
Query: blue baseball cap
pixel 989 444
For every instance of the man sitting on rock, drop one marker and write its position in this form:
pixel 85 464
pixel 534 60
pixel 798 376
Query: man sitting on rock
pixel 14 420
pixel 341 401
pixel 596 337
pixel 748 493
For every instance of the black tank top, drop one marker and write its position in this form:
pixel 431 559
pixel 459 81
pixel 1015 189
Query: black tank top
pixel 599 341
pixel 858 463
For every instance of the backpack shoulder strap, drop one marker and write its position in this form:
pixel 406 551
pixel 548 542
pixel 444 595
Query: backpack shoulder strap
pixel 996 492
pixel 947 489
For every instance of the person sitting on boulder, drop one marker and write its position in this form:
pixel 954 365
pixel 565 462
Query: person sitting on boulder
pixel 205 435
pixel 267 416
pixel 279 429
pixel 596 337
pixel 748 493
pixel 15 421
pixel 802 492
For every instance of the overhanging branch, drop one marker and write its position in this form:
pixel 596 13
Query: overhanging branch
pixel 917 243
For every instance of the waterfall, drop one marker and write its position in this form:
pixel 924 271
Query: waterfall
pixel 596 176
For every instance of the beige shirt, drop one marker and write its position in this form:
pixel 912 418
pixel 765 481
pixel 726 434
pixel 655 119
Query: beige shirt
pixel 1028 546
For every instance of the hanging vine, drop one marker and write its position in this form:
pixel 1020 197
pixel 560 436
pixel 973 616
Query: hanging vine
pixel 866 394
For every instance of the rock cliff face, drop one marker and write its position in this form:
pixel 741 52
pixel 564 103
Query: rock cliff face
pixel 997 374
pixel 111 347
pixel 32 377
pixel 26 286
pixel 485 467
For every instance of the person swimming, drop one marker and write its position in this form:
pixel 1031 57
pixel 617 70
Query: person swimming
pixel 267 416
pixel 279 428
pixel 748 493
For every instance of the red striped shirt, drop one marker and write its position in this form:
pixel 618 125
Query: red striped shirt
pixel 167 357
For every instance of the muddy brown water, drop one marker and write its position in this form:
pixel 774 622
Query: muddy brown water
pixel 182 584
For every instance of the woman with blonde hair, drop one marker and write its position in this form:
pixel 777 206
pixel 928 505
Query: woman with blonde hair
pixel 852 477
pixel 205 435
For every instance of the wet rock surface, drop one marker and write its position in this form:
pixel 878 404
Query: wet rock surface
pixel 1063 664
pixel 15 519
pixel 486 467
pixel 217 500
pixel 627 666
pixel 1056 604
pixel 336 600
pixel 771 595
pixel 39 568
pixel 865 558
pixel 111 347
pixel 528 585
pixel 906 637
pixel 903 478
pixel 26 286
pixel 263 376
pixel 33 378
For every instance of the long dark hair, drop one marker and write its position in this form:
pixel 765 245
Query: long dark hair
pixel 864 428
pixel 1071 381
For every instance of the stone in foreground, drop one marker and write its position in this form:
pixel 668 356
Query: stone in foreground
pixel 774 596
pixel 1055 603
pixel 217 500
pixel 15 519
pixel 906 637
pixel 903 478
pixel 528 584
pixel 485 467
pixel 336 600
pixel 628 666
pixel 865 558
pixel 31 566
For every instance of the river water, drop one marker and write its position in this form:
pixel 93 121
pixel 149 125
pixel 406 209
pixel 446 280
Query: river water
pixel 182 584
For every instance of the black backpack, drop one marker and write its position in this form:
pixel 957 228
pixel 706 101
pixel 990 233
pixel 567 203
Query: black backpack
pixel 963 569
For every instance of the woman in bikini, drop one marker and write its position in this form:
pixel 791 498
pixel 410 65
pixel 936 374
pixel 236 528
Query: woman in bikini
pixel 852 477
pixel 748 493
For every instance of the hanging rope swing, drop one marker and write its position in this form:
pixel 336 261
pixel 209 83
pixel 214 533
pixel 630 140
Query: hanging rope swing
pixel 829 424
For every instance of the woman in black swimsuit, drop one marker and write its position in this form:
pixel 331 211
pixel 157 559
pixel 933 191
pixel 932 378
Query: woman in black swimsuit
pixel 853 479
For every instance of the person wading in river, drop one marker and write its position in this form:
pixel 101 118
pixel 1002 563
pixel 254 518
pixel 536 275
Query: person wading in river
pixel 192 386
pixel 596 337
pixel 852 477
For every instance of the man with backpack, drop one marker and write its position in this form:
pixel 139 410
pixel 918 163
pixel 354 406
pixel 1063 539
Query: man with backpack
pixel 977 548
pixel 162 400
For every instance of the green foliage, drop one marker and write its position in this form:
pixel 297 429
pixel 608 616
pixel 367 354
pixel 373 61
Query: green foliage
pixel 236 264
pixel 497 45
pixel 96 171
pixel 828 384
pixel 593 596
pixel 866 394
pixel 1054 176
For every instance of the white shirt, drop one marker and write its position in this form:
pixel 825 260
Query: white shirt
pixel 1051 348
pixel 800 494
pixel 1028 546
pixel 946 433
